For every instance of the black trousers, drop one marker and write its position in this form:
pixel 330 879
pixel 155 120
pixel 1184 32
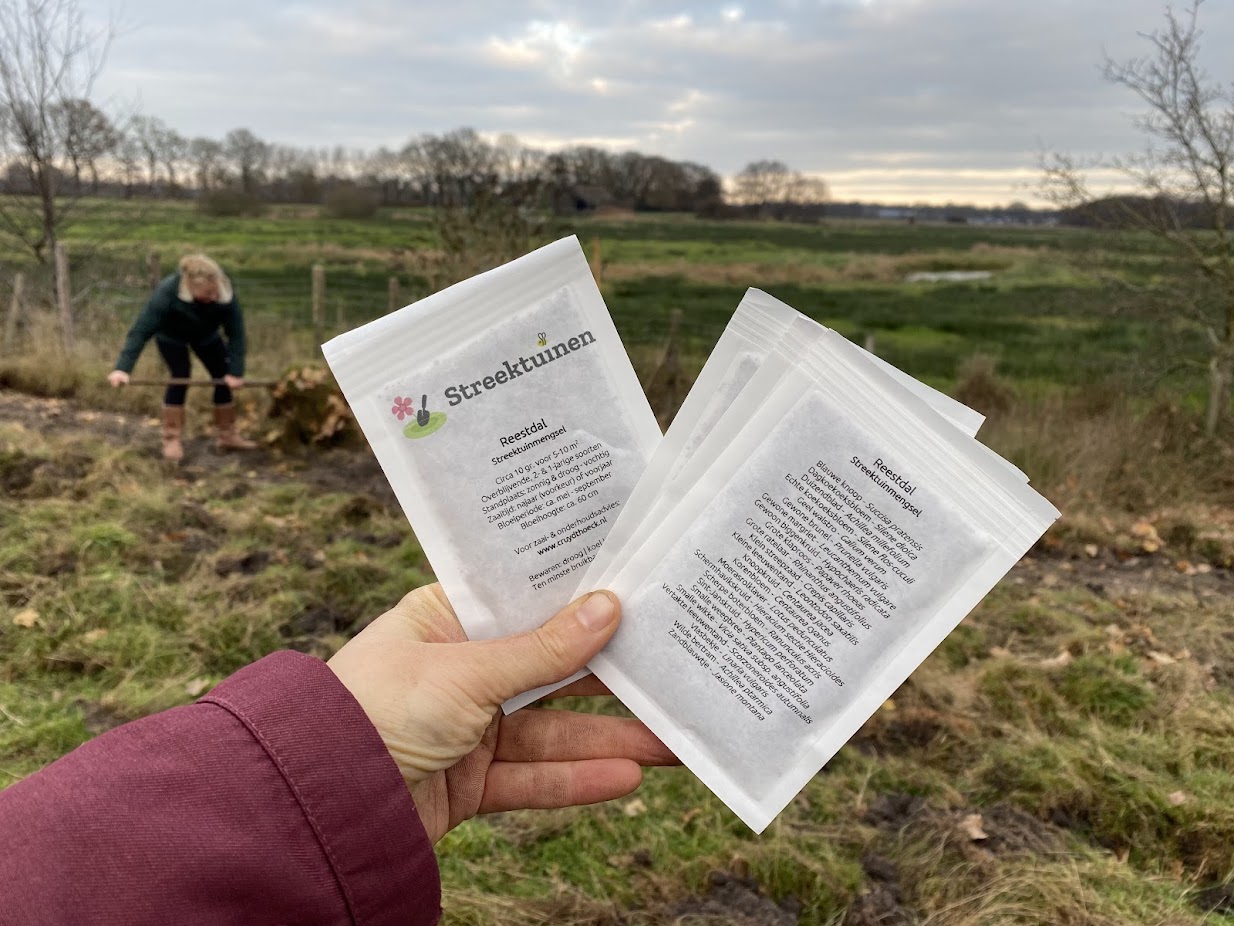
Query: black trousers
pixel 212 353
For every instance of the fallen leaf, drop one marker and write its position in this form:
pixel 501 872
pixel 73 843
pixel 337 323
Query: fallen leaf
pixel 689 815
pixel 972 828
pixel 1177 799
pixel 634 808
pixel 1185 568
pixel 1062 660
pixel 1204 569
pixel 1092 550
pixel 93 636
pixel 1143 529
pixel 26 618
pixel 197 687
pixel 1000 652
pixel 1162 659
pixel 889 705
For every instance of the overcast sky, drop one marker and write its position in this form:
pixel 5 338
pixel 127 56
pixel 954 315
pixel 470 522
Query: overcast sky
pixel 894 100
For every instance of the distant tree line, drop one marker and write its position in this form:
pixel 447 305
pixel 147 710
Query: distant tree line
pixel 146 157
pixel 1137 211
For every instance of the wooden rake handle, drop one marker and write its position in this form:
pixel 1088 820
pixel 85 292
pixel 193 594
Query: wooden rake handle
pixel 256 383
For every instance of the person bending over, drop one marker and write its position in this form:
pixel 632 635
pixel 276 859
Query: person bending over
pixel 311 793
pixel 186 311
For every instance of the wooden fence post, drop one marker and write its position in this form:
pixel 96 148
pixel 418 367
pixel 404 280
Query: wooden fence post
pixel 392 297
pixel 667 386
pixel 597 268
pixel 153 273
pixel 319 300
pixel 64 297
pixel 15 309
pixel 869 344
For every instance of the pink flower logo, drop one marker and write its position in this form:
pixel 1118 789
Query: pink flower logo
pixel 402 408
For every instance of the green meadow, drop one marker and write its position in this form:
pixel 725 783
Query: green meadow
pixel 1065 757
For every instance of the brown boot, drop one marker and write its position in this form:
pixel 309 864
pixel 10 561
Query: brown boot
pixel 225 429
pixel 173 427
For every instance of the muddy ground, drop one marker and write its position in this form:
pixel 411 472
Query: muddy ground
pixel 732 896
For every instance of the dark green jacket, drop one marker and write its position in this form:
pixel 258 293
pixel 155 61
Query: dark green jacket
pixel 168 316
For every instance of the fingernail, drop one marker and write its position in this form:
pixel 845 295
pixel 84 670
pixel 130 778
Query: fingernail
pixel 596 612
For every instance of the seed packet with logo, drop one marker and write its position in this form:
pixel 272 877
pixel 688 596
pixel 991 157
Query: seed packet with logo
pixel 842 531
pixel 506 415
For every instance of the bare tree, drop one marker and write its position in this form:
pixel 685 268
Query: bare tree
pixel 172 149
pixel 249 155
pixel 128 157
pixel 207 157
pixel 49 58
pixel 1183 182
pixel 761 182
pixel 145 131
pixel 87 134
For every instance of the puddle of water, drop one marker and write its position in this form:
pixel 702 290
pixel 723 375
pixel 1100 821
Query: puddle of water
pixel 948 276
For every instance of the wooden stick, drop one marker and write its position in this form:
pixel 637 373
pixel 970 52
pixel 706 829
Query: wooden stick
pixel 256 383
pixel 64 297
pixel 15 310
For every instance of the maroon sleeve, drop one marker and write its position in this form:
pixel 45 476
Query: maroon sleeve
pixel 271 800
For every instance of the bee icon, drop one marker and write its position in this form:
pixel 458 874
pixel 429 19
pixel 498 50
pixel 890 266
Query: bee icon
pixel 541 339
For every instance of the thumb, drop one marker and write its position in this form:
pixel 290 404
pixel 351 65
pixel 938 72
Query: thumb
pixel 554 651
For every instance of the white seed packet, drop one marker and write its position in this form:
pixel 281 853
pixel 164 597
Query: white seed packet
pixel 762 341
pixel 743 347
pixel 511 426
pixel 842 532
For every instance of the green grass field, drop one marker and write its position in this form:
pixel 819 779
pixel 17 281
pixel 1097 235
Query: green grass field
pixel 1082 718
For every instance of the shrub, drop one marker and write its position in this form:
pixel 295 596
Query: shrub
pixel 349 201
pixel 230 202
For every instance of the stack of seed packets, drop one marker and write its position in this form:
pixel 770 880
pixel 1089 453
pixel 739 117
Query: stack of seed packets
pixel 511 425
pixel 811 528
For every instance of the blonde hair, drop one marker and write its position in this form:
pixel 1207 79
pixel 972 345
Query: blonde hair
pixel 199 267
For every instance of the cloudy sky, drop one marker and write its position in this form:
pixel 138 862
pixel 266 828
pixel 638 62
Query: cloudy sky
pixel 891 100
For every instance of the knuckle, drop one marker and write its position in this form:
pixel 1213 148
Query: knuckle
pixel 553 649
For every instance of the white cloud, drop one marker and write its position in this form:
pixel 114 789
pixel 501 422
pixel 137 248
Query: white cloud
pixel 554 46
pixel 854 90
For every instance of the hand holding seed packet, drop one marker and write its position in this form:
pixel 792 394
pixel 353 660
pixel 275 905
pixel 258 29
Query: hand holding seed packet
pixel 810 528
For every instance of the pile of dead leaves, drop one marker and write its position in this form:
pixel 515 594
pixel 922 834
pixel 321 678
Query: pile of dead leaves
pixel 307 409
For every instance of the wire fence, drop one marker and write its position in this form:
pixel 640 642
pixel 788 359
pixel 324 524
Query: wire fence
pixel 314 303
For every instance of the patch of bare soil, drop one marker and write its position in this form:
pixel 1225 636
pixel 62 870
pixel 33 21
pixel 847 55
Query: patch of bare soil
pixel 732 901
pixel 334 470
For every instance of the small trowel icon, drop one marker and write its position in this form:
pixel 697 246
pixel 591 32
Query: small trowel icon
pixel 422 415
